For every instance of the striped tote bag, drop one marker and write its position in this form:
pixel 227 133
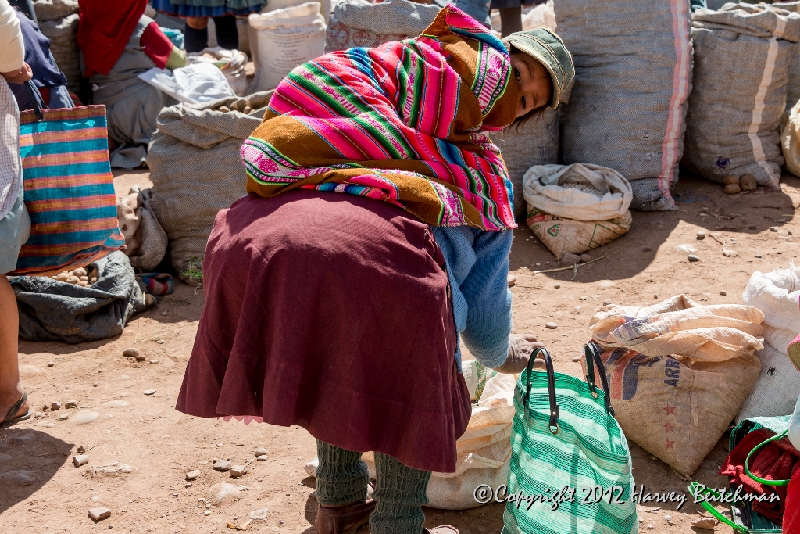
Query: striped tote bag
pixel 68 190
pixel 570 466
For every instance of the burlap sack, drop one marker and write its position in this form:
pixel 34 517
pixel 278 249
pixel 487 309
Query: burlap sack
pixel 632 80
pixel 733 127
pixel 355 23
pixel 64 46
pixel 676 409
pixel 563 236
pixel 678 373
pixel 151 236
pixel 534 143
pixel 54 9
pixel 196 171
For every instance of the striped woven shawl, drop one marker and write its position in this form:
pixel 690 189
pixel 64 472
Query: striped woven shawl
pixel 403 123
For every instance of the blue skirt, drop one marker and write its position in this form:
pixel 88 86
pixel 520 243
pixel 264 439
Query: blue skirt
pixel 185 10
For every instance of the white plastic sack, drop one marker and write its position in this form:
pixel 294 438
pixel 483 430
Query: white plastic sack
pixel 484 450
pixel 775 389
pixel 230 62
pixel 777 295
pixel 195 84
pixel 581 191
pixel 794 426
pixel 285 39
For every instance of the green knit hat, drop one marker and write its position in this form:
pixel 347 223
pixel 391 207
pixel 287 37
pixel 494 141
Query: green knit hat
pixel 549 50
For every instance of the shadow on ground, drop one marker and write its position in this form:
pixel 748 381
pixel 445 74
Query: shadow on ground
pixel 28 460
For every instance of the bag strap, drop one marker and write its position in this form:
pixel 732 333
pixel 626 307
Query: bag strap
pixel 713 511
pixel 32 94
pixel 551 386
pixel 593 353
pixel 757 447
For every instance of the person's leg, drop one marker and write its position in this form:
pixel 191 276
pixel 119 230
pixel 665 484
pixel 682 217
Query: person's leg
pixel 10 383
pixel 342 476
pixel 511 20
pixel 227 32
pixel 196 34
pixel 400 493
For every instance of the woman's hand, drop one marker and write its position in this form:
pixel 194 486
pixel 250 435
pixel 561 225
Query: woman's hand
pixel 19 76
pixel 519 352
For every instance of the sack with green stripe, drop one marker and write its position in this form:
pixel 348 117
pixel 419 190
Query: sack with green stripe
pixel 570 463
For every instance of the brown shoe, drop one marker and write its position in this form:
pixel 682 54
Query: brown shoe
pixel 342 519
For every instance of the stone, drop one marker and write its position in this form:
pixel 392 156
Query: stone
pixel 80 459
pixel 585 258
pixel 224 493
pixel 557 286
pixel 261 451
pixel 71 404
pixel 773 228
pixel 570 259
pixel 192 475
pixel 759 256
pixel 238 471
pixel 748 182
pixel 51 364
pixel 730 180
pixel 221 465
pixel 84 417
pixel 667 518
pixel 723 294
pixel 55 405
pixel 707 523
pixel 150 392
pixel 551 326
pixel 130 353
pixel 607 302
pixel 701 235
pixel 18 478
pixel 262 458
pixel 153 362
pixel 512 280
pixel 576 358
pixel 258 515
pixel 81 449
pixel 98 514
pixel 140 358
pixel 693 259
pixel 732 189
pixel 63 417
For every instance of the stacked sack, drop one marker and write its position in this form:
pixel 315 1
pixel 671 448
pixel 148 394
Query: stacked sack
pixel 793 88
pixel 196 171
pixel 575 208
pixel 58 21
pixel 777 295
pixel 678 373
pixel 632 80
pixel 736 106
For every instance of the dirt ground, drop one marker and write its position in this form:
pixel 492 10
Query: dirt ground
pixel 162 445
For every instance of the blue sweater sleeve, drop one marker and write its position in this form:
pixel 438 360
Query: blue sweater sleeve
pixel 477 264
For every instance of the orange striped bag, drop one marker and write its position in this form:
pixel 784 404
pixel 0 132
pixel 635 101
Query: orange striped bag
pixel 69 190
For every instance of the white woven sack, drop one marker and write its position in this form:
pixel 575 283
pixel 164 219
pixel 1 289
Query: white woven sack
pixel 777 295
pixel 627 107
pixel 793 89
pixel 484 450
pixel 733 128
pixel 790 138
pixel 64 46
pixel 776 387
pixel 794 426
pixel 286 38
pixel 581 191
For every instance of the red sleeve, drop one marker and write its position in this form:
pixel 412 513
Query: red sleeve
pixel 156 45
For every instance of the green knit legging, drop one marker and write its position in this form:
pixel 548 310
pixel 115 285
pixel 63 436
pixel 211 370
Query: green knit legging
pixel 400 493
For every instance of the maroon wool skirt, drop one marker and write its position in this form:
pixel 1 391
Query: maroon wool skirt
pixel 330 311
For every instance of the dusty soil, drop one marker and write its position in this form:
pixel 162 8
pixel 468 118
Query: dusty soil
pixel 162 445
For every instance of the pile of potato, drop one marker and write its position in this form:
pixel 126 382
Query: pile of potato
pixel 735 185
pixel 81 276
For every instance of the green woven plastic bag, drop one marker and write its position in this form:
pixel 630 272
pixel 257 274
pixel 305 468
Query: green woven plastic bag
pixel 570 463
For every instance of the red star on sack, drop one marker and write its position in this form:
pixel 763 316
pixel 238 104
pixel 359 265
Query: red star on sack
pixel 670 409
pixel 668 444
pixel 668 427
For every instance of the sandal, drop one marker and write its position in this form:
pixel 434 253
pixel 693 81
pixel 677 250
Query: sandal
pixel 11 415
pixel 343 519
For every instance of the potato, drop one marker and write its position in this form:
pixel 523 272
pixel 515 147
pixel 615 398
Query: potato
pixel 732 189
pixel 748 182
pixel 730 180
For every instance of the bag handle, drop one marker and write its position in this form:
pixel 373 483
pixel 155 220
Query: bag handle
pixel 592 353
pixel 37 109
pixel 551 386
pixel 764 481
pixel 713 511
